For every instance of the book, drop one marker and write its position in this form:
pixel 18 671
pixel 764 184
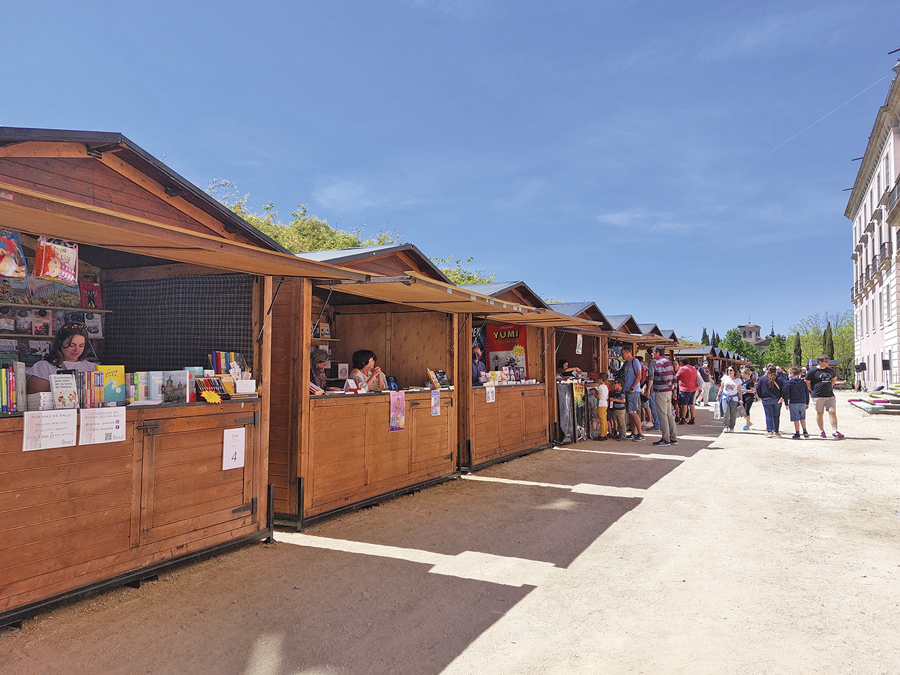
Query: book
pixel 433 378
pixel 142 386
pixel 94 324
pixel 113 383
pixel 442 378
pixel 65 395
pixel 175 386
pixel 23 321
pixel 156 383
pixel 40 321
pixel 21 396
pixel 90 295
pixel 42 400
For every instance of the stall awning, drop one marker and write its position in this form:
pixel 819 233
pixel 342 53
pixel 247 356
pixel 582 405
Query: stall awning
pixel 38 214
pixel 544 317
pixel 417 290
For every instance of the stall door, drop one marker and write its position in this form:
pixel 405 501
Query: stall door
pixel 184 487
pixel 534 403
pixel 431 443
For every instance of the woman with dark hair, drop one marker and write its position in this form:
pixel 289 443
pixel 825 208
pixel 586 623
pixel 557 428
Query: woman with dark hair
pixel 771 391
pixel 563 369
pixel 748 394
pixel 317 368
pixel 66 353
pixel 368 376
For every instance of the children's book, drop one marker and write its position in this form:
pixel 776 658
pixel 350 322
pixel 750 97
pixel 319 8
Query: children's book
pixel 90 295
pixel 40 321
pixel 113 383
pixel 65 395
pixel 94 324
pixel 23 321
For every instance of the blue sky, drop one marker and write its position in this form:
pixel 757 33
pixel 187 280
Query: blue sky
pixel 605 151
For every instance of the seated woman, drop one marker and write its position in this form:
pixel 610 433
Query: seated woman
pixel 367 375
pixel 317 368
pixel 563 369
pixel 66 353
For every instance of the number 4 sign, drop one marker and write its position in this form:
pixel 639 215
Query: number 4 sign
pixel 233 449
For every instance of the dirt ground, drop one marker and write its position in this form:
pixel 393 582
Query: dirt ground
pixel 724 554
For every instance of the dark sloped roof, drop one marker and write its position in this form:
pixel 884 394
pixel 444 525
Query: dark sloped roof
pixel 345 255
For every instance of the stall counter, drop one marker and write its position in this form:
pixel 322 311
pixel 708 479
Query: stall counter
pixel 515 422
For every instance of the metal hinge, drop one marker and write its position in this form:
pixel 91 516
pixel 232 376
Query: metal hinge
pixel 251 507
pixel 151 427
pixel 413 404
pixel 450 456
pixel 253 419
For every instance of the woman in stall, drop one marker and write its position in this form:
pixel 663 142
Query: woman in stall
pixel 68 352
pixel 563 369
pixel 317 368
pixel 366 373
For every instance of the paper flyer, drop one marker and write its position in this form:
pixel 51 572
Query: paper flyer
pixel 490 394
pixel 435 403
pixel 398 410
pixel 102 425
pixel 49 429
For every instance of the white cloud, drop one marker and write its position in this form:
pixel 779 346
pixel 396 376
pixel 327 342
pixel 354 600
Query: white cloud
pixel 638 220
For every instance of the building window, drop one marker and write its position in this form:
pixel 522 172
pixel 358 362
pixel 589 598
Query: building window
pixel 880 309
pixel 887 303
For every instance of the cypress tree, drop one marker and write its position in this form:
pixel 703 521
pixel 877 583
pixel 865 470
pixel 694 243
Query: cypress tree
pixel 798 352
pixel 704 339
pixel 828 338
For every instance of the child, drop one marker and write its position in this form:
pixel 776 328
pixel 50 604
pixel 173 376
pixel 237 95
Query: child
pixel 796 400
pixel 617 398
pixel 602 394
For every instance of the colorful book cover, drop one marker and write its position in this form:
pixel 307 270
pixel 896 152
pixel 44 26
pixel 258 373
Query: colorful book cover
pixel 40 321
pixel 65 394
pixel 94 324
pixel 90 295
pixel 113 383
pixel 23 322
pixel 4 391
pixel 142 386
pixel 12 255
pixel 156 383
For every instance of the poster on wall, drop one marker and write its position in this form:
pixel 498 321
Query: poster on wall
pixel 505 347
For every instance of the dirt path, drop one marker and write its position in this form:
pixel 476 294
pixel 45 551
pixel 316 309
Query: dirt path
pixel 724 554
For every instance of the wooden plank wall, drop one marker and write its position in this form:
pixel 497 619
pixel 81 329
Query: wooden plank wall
pixel 87 181
pixel 517 420
pixel 286 363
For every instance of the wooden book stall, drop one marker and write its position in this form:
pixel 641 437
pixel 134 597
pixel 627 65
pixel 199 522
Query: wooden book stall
pixel 180 276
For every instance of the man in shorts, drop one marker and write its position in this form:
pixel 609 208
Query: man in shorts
pixel 821 382
pixel 632 387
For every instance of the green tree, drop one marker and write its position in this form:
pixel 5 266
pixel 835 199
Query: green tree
pixel 734 342
pixel 304 232
pixel 828 340
pixel 776 353
pixel 461 275
pixel 797 351
pixel 812 339
pixel 704 338
pixel 714 340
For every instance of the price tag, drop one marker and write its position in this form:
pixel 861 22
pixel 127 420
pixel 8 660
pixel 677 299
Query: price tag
pixel 233 448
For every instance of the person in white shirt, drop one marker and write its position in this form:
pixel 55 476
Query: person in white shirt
pixel 601 393
pixel 66 353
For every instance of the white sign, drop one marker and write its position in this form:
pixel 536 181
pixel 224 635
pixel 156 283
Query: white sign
pixel 49 429
pixel 490 394
pixel 245 386
pixel 578 343
pixel 102 425
pixel 233 449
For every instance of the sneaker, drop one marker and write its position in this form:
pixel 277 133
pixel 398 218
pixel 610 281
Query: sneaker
pixel 673 442
pixel 654 428
pixel 749 424
pixel 777 434
pixel 647 425
pixel 837 434
pixel 662 444
pixel 692 421
pixel 796 435
pixel 639 437
pixel 822 435
pixel 725 430
pixel 769 434
pixel 805 434
pixel 746 427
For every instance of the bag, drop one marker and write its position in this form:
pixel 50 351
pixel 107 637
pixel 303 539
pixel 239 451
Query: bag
pixel 717 409
pixel 643 374
pixel 56 260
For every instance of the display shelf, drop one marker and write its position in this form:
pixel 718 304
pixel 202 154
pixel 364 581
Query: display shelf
pixel 315 339
pixel 55 307
pixel 35 337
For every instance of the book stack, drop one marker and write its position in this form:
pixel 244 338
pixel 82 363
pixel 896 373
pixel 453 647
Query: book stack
pixel 221 362
pixel 42 400
pixel 12 386
pixel 89 388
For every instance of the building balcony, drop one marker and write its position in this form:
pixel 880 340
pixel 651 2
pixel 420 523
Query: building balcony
pixel 876 215
pixel 890 203
pixel 854 256
pixel 886 255
pixel 863 240
pixel 870 227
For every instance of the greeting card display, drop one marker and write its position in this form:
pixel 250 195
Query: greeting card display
pixel 56 260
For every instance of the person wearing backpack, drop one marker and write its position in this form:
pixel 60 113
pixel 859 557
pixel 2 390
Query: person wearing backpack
pixel 687 388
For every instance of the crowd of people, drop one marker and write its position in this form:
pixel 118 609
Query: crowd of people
pixel 662 394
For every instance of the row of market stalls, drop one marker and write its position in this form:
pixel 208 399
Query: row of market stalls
pixel 183 277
